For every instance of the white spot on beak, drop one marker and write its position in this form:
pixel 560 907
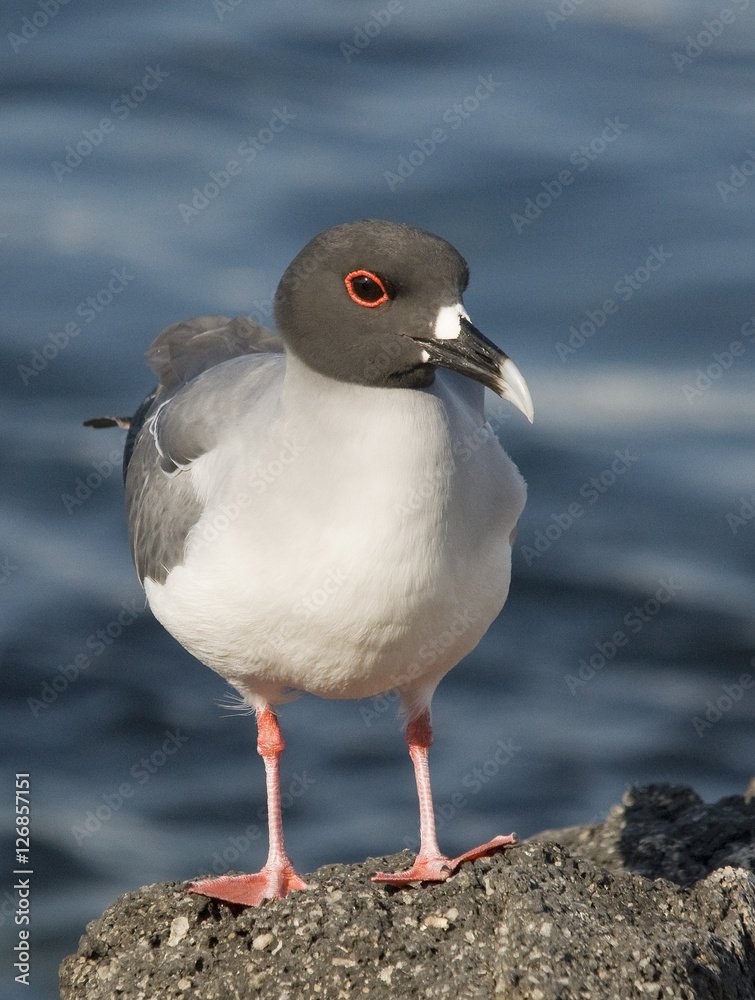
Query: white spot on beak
pixel 447 322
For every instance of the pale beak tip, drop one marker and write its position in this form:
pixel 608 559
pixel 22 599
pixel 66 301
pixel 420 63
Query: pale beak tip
pixel 514 388
pixel 527 410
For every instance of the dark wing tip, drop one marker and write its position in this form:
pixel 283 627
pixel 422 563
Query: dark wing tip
pixel 123 422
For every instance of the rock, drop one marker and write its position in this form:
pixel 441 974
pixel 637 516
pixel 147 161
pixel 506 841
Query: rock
pixel 657 902
pixel 663 831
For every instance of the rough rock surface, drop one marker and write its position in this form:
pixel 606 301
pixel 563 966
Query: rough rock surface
pixel 657 902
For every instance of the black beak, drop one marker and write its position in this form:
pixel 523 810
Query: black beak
pixel 473 355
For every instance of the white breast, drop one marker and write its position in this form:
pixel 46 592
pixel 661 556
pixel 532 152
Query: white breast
pixel 349 556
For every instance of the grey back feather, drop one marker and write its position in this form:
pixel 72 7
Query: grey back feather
pixel 184 350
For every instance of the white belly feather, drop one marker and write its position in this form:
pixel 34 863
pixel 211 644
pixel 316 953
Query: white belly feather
pixel 346 558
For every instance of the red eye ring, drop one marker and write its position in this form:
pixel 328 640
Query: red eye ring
pixel 355 293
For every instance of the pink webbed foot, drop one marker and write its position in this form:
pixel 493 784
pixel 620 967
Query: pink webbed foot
pixel 251 890
pixel 438 868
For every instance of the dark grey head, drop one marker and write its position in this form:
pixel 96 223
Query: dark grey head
pixel 380 304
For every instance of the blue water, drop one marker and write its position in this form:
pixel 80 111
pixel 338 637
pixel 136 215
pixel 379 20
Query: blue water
pixel 601 188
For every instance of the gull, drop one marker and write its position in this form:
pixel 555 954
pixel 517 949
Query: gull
pixel 326 509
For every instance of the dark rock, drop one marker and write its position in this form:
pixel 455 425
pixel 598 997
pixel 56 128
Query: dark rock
pixel 534 923
pixel 666 831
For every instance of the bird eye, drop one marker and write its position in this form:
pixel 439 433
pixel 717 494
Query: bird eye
pixel 366 289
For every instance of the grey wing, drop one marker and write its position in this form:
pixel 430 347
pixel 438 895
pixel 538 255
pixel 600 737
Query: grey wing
pixel 161 511
pixel 176 424
pixel 134 426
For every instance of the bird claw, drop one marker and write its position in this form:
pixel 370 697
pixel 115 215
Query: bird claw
pixel 251 890
pixel 439 868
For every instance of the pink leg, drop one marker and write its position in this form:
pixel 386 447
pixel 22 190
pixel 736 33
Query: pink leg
pixel 278 877
pixel 430 865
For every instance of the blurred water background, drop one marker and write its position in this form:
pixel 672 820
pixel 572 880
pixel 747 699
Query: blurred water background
pixel 594 162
